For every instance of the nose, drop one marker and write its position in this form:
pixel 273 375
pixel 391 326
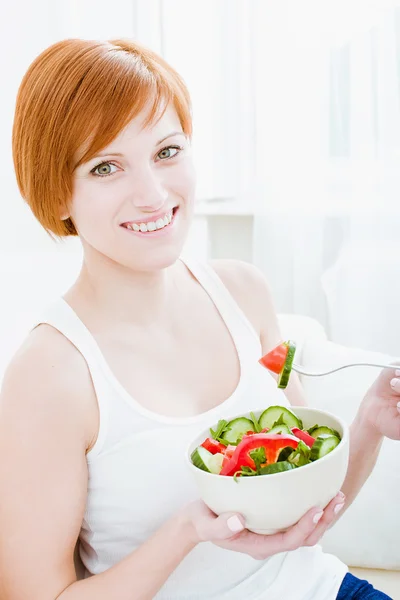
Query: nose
pixel 148 191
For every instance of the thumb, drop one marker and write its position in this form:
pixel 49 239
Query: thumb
pixel 226 526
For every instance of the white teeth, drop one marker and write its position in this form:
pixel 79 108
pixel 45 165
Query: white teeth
pixel 151 225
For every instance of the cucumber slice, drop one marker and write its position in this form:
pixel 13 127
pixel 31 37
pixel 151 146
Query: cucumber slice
pixel 278 467
pixel 203 459
pixel 323 445
pixel 280 429
pixel 272 414
pixel 215 464
pixel 236 429
pixel 317 431
pixel 283 378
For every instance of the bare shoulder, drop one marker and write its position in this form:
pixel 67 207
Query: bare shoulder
pixel 48 374
pixel 249 288
pixel 46 424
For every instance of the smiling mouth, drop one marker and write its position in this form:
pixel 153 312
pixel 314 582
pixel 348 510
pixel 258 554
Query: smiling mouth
pixel 151 226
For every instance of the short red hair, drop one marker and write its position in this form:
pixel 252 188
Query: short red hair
pixel 81 93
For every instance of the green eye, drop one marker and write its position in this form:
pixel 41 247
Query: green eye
pixel 104 169
pixel 169 152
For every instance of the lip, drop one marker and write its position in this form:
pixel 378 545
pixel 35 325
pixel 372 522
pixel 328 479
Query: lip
pixel 158 232
pixel 152 217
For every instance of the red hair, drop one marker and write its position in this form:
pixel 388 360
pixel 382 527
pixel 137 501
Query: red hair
pixel 82 94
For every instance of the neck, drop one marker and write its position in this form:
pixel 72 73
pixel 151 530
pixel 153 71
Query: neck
pixel 121 294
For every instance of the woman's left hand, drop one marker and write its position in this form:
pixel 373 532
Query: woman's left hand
pixel 380 408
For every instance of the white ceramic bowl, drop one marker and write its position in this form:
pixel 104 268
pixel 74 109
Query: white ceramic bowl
pixel 272 503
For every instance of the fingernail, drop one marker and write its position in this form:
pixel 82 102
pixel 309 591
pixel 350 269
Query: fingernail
pixel 235 524
pixel 317 517
pixel 338 508
pixel 398 405
pixel 340 494
pixel 394 382
pixel 397 372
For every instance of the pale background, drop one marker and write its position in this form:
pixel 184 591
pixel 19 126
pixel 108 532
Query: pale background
pixel 297 145
pixel 297 140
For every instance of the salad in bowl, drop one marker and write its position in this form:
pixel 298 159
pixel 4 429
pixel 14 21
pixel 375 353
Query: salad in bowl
pixel 271 465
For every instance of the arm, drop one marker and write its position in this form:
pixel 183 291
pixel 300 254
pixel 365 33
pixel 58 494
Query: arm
pixel 377 417
pixel 361 463
pixel 142 573
pixel 47 423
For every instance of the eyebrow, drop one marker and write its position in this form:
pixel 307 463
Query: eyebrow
pixel 158 143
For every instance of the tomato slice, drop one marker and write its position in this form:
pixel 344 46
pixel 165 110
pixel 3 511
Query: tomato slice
pixel 275 360
pixel 304 436
pixel 229 450
pixel 213 446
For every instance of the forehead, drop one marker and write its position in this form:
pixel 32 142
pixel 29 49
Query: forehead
pixel 139 131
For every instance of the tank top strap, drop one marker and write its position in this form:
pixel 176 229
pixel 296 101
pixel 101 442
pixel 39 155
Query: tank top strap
pixel 238 324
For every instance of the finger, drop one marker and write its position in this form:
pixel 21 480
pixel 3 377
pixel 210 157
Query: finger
pixel 295 536
pixel 395 382
pixel 262 546
pixel 330 514
pixel 224 527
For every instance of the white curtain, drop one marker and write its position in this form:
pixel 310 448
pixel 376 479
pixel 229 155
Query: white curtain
pixel 327 230
pixel 296 120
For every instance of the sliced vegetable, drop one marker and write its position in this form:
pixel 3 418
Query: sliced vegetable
pixel 257 427
pixel 243 456
pixel 316 431
pixel 324 445
pixel 275 359
pixel 236 428
pixel 285 453
pixel 228 453
pixel 284 376
pixel 229 450
pixel 275 415
pixel 304 436
pixel 281 429
pixel 278 467
pixel 213 446
pixel 301 456
pixel 221 425
pixel 203 459
pixel 280 361
pixel 272 443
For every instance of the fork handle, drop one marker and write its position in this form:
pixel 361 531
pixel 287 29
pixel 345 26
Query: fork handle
pixel 301 371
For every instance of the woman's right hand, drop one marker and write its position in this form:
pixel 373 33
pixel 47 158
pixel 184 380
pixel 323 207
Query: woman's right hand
pixel 228 530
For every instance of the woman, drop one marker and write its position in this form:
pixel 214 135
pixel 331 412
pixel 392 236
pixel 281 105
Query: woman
pixel 101 400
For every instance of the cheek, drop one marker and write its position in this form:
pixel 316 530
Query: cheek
pixel 93 206
pixel 182 180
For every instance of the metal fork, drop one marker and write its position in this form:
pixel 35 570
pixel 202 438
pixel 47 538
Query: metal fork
pixel 299 369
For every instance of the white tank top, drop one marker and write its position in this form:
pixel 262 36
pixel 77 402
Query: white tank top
pixel 138 477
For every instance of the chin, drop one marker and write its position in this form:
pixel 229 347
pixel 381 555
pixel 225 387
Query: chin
pixel 155 259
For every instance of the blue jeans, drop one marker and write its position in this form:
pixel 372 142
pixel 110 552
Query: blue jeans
pixel 353 588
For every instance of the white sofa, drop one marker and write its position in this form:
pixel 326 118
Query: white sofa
pixel 367 536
